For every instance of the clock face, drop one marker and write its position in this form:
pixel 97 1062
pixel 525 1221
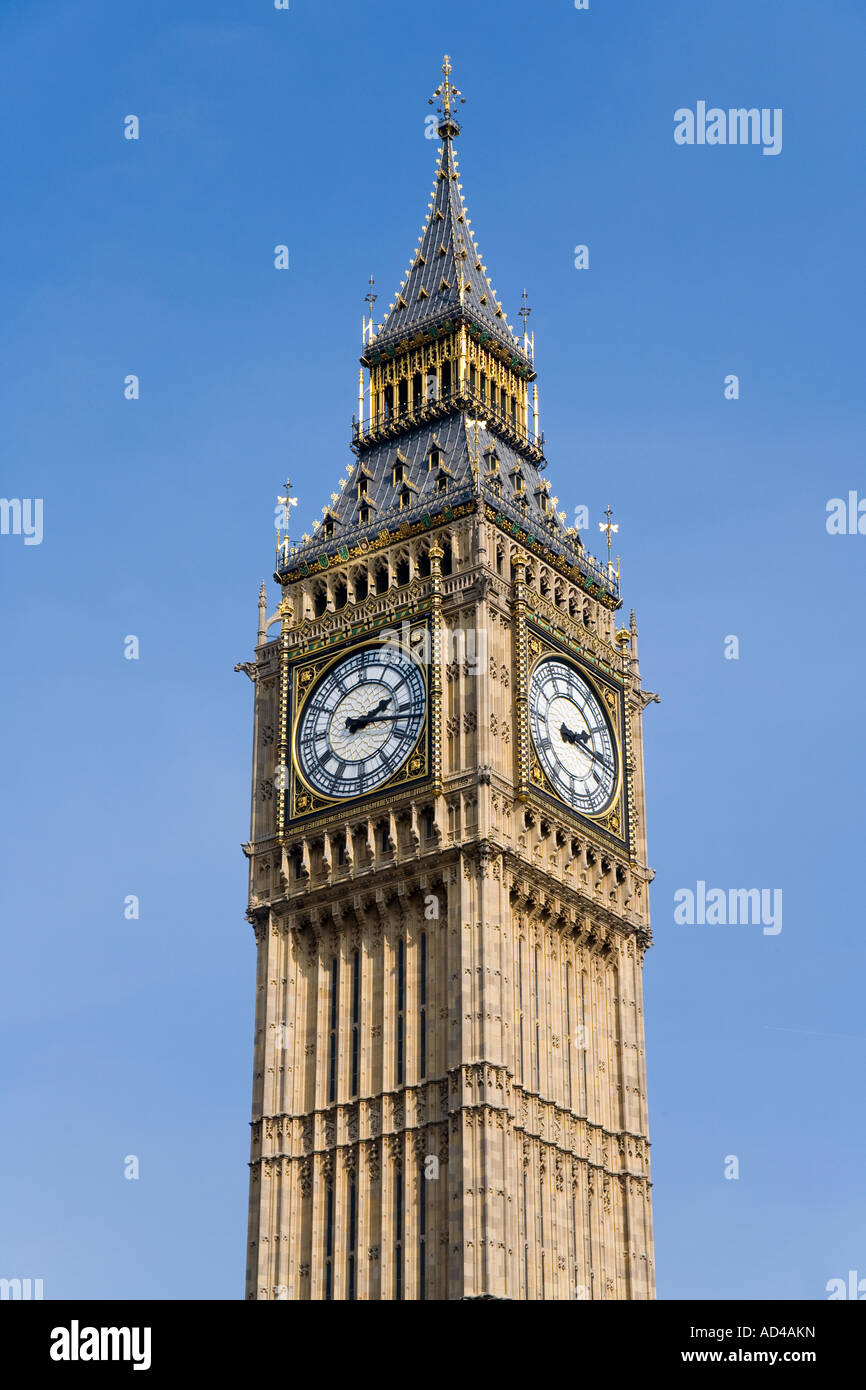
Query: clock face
pixel 572 736
pixel 361 722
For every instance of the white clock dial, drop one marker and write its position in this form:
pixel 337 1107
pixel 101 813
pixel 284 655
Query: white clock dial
pixel 572 736
pixel 361 722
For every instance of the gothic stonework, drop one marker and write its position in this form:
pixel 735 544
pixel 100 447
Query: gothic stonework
pixel 448 846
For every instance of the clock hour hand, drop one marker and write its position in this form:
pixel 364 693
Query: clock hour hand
pixel 353 725
pixel 579 740
pixel 571 737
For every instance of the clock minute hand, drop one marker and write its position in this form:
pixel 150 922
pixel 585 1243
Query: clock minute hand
pixel 382 718
pixel 353 725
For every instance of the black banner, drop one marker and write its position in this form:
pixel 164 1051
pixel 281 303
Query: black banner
pixel 63 1339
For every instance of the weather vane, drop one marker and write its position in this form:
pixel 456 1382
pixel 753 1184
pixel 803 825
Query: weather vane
pixel 608 526
pixel 284 503
pixel 370 298
pixel 524 312
pixel 447 93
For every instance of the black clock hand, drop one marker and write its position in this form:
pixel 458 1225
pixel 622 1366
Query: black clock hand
pixel 382 718
pixel 580 740
pixel 571 737
pixel 353 725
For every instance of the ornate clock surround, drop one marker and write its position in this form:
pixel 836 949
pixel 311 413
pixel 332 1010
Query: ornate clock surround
pixel 302 673
pixel 616 821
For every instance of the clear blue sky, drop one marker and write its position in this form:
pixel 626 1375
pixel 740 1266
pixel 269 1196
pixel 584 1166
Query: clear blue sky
pixel 155 257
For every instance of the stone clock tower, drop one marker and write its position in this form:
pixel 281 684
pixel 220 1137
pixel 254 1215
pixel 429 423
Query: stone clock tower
pixel 448 873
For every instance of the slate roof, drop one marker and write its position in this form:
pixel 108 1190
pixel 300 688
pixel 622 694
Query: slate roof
pixel 456 439
pixel 446 259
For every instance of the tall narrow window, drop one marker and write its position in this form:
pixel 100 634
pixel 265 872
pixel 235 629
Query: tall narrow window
pixel 541 1226
pixel 353 1237
pixel 569 1038
pixel 590 1268
pixel 401 1005
pixel 422 1234
pixel 356 1018
pixel 329 1245
pixel 537 1028
pixel 520 1011
pixel 332 1034
pixel 422 1010
pixel 583 1048
pixel 525 1238
pixel 398 1236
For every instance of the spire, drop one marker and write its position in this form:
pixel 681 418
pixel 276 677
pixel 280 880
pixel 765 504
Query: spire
pixel 446 279
pixel 449 411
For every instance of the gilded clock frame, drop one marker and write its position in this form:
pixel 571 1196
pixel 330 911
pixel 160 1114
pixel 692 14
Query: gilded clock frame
pixel 302 802
pixel 616 821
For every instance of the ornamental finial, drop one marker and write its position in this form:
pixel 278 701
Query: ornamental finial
pixel 448 96
pixel 609 526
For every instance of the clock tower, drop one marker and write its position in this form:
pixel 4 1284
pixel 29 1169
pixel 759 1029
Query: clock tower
pixel 448 872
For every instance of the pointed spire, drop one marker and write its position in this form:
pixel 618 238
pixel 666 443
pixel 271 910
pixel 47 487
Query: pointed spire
pixel 263 613
pixel 452 407
pixel 446 278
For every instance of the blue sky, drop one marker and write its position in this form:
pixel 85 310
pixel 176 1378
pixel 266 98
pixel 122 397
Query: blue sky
pixel 155 257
